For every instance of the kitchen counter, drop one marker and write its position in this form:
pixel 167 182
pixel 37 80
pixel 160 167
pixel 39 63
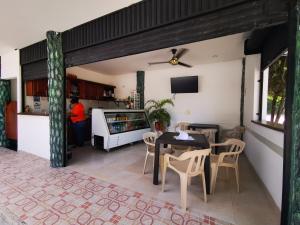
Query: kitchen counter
pixel 33 114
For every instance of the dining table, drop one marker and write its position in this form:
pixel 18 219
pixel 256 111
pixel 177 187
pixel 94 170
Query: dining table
pixel 196 140
pixel 195 126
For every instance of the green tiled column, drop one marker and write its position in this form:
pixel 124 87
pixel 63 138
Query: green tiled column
pixel 291 175
pixel 140 87
pixel 56 79
pixel 4 98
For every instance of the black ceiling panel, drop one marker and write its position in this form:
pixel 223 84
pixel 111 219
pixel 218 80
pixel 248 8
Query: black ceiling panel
pixel 33 53
pixel 149 15
pixel 139 17
pixel 34 71
pixel 269 42
pixel 142 16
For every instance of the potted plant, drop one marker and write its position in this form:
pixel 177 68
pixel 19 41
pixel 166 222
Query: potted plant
pixel 158 114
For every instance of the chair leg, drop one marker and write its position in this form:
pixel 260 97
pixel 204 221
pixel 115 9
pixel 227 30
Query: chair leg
pixel 189 181
pixel 163 179
pixel 145 163
pixel 215 180
pixel 161 165
pixel 237 178
pixel 212 179
pixel 204 186
pixel 183 188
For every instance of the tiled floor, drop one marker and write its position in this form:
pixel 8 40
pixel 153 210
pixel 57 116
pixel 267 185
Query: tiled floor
pixel 251 206
pixel 32 193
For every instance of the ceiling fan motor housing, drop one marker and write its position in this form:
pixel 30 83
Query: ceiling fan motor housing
pixel 174 61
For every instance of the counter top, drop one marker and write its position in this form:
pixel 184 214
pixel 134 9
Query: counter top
pixel 33 114
pixel 120 110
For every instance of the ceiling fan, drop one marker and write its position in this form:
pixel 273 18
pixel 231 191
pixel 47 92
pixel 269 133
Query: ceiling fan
pixel 175 58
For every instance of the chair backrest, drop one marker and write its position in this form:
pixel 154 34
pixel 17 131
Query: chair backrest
pixel 196 160
pixel 193 131
pixel 182 125
pixel 209 134
pixel 235 133
pixel 149 138
pixel 235 145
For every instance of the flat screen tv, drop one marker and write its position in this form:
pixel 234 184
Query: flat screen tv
pixel 188 84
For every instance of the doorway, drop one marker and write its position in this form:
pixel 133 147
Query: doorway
pixel 11 126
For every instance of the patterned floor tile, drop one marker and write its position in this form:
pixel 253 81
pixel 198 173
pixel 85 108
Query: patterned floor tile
pixel 36 194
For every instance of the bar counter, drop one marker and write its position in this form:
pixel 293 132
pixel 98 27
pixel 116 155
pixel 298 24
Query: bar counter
pixel 33 114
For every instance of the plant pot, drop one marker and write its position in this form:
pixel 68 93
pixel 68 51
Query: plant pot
pixel 159 126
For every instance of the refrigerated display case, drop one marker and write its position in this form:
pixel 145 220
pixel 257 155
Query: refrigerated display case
pixel 113 128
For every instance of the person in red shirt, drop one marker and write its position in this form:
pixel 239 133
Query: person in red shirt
pixel 78 120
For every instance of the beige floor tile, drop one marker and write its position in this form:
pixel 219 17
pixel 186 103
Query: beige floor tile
pixel 124 167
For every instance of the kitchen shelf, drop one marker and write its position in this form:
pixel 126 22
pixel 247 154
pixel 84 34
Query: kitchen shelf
pixel 123 121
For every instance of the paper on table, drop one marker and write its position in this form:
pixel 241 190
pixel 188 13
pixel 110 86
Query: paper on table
pixel 188 139
pixel 183 136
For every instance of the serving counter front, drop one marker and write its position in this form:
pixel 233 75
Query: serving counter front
pixel 34 134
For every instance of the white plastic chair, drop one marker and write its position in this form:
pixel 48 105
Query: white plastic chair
pixel 182 125
pixel 149 139
pixel 209 134
pixel 187 165
pixel 228 159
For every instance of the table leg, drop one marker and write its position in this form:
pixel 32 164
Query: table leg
pixel 217 141
pixel 207 173
pixel 156 163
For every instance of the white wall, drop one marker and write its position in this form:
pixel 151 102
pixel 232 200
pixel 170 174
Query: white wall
pixel 262 144
pixel 218 100
pixel 33 135
pixel 89 75
pixel 44 104
pixel 125 84
pixel 10 65
pixel 14 88
pixel 11 69
pixel 265 92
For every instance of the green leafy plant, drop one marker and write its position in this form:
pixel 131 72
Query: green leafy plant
pixel 157 112
pixel 277 91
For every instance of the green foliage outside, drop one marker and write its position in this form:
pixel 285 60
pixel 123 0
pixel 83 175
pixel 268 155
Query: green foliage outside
pixel 276 89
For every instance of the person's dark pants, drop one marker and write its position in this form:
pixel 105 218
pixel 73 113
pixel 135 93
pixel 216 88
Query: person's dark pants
pixel 79 131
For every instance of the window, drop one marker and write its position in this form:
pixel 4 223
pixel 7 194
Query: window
pixel 274 92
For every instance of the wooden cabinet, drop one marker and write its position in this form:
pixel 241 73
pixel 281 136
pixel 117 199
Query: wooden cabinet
pixel 37 88
pixel 68 88
pixel 82 89
pixel 100 92
pixel 11 120
pixel 89 90
pixel 29 88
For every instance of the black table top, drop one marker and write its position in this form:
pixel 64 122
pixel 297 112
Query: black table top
pixel 202 125
pixel 169 138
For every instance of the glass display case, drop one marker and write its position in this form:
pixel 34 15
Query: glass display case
pixel 119 122
pixel 112 128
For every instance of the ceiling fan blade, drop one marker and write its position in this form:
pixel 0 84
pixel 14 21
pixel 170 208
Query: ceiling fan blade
pixel 184 64
pixel 154 63
pixel 181 52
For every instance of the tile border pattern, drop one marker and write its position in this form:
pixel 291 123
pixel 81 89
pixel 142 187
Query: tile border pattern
pixel 36 194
